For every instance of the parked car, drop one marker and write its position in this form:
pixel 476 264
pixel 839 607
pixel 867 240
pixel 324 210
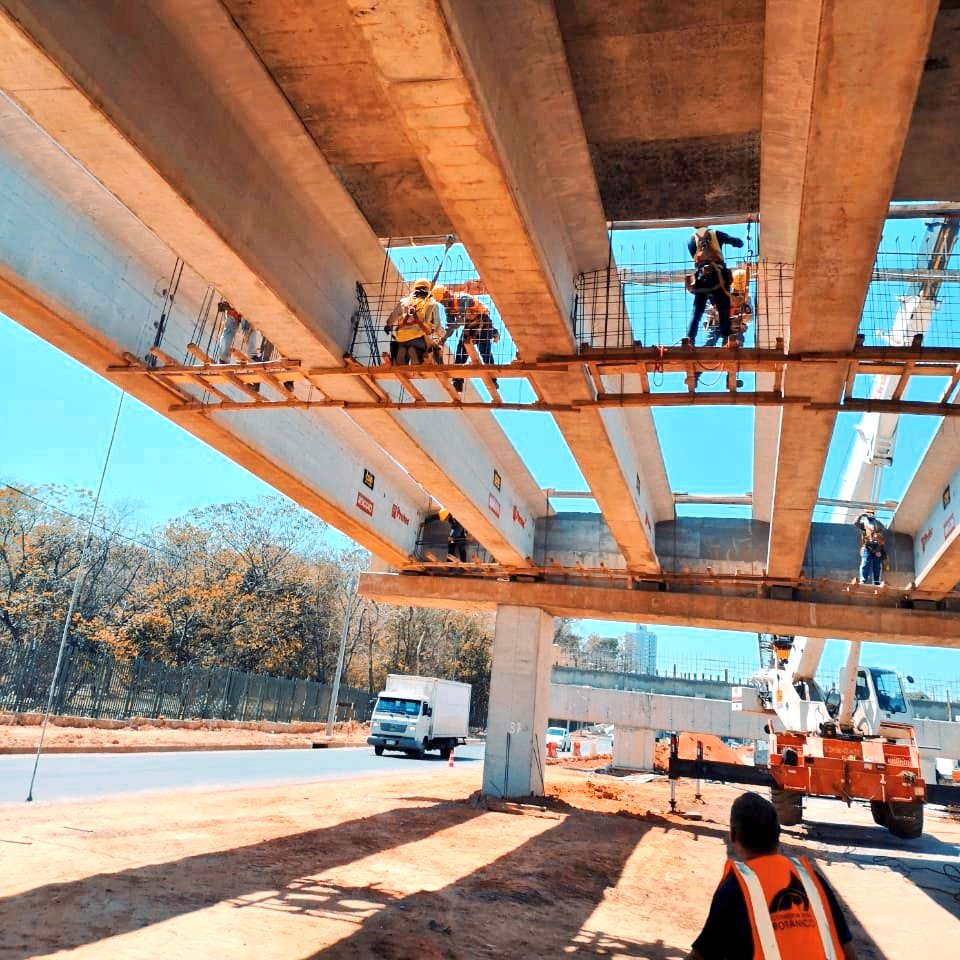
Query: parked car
pixel 560 737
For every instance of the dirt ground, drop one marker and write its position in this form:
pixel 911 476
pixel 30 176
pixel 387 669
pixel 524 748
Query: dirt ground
pixel 21 733
pixel 410 868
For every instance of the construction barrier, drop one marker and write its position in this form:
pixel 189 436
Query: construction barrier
pixel 552 750
pixel 576 748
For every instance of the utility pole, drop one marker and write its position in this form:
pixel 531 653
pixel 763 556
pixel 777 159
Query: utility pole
pixel 335 691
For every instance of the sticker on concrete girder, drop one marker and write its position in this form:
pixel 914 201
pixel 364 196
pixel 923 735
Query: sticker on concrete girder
pixel 518 517
pixel 398 514
pixel 368 478
pixel 946 496
pixel 365 504
pixel 948 526
pixel 497 479
pixel 925 539
pixel 493 505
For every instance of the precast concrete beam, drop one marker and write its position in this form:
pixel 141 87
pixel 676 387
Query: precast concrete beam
pixel 712 610
pixel 80 271
pixel 654 711
pixel 477 87
pixel 826 184
pixel 198 149
pixel 930 509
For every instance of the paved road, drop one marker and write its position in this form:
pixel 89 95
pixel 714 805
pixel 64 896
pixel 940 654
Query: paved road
pixel 95 775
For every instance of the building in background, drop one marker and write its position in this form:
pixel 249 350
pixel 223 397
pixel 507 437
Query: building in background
pixel 640 650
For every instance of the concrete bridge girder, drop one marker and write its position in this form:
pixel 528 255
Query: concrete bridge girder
pixel 202 144
pixel 810 154
pixel 69 273
pixel 722 610
pixel 470 105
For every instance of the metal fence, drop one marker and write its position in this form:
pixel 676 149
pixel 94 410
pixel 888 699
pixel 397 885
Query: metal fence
pixel 93 684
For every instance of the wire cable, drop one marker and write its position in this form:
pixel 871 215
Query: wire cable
pixel 78 579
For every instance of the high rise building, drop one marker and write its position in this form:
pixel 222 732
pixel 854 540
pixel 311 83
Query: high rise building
pixel 640 647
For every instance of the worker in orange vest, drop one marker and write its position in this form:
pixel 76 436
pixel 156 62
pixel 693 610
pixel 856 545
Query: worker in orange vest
pixel 770 906
pixel 466 311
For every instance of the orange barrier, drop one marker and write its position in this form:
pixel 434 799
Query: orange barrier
pixel 450 761
pixel 576 748
pixel 552 750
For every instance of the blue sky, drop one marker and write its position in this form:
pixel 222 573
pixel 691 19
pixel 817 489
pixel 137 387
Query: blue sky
pixel 57 415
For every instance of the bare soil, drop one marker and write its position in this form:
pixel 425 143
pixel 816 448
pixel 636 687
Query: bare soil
pixel 409 868
pixel 20 733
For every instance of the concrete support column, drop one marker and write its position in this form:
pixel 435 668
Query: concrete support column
pixel 633 748
pixel 519 701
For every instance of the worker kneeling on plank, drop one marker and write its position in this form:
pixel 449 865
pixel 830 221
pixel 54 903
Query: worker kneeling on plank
pixel 457 538
pixel 770 906
pixel 711 280
pixel 414 323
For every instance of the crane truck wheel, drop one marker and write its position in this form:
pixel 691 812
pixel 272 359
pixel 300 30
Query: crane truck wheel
pixel 789 806
pixel 905 820
pixel 378 750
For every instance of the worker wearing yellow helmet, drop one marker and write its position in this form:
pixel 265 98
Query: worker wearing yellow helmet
pixel 468 312
pixel 414 323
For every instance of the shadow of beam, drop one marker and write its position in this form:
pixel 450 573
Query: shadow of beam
pixel 518 892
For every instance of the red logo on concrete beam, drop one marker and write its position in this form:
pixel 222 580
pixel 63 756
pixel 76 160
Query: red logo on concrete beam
pixel 518 517
pixel 365 504
pixel 493 505
pixel 948 526
pixel 398 514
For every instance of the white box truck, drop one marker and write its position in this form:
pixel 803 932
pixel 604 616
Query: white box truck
pixel 416 714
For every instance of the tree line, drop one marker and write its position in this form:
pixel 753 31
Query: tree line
pixel 258 586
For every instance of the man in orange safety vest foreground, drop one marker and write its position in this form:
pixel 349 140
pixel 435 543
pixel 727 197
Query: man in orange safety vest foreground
pixel 770 906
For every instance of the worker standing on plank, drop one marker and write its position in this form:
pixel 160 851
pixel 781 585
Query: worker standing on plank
pixel 770 906
pixel 457 539
pixel 414 322
pixel 873 548
pixel 711 280
pixel 468 312
pixel 233 321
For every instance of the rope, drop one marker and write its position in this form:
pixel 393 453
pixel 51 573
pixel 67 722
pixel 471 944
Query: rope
pixel 78 579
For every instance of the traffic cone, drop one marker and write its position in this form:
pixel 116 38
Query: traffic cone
pixel 576 748
pixel 450 761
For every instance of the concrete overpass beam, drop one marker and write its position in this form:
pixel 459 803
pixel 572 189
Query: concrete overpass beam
pixel 826 184
pixel 198 149
pixel 78 270
pixel 473 92
pixel 881 624
pixel 519 703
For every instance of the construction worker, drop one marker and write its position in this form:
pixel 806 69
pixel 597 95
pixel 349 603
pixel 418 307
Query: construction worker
pixel 457 539
pixel 873 548
pixel 415 323
pixel 232 322
pixel 768 904
pixel 741 311
pixel 466 311
pixel 711 280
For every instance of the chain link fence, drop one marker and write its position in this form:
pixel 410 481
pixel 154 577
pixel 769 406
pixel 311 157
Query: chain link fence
pixel 95 685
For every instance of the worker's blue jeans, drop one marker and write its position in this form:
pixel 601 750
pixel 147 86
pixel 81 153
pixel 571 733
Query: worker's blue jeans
pixel 871 566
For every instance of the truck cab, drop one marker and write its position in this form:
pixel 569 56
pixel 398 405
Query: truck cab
pixel 400 721
pixel 880 699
